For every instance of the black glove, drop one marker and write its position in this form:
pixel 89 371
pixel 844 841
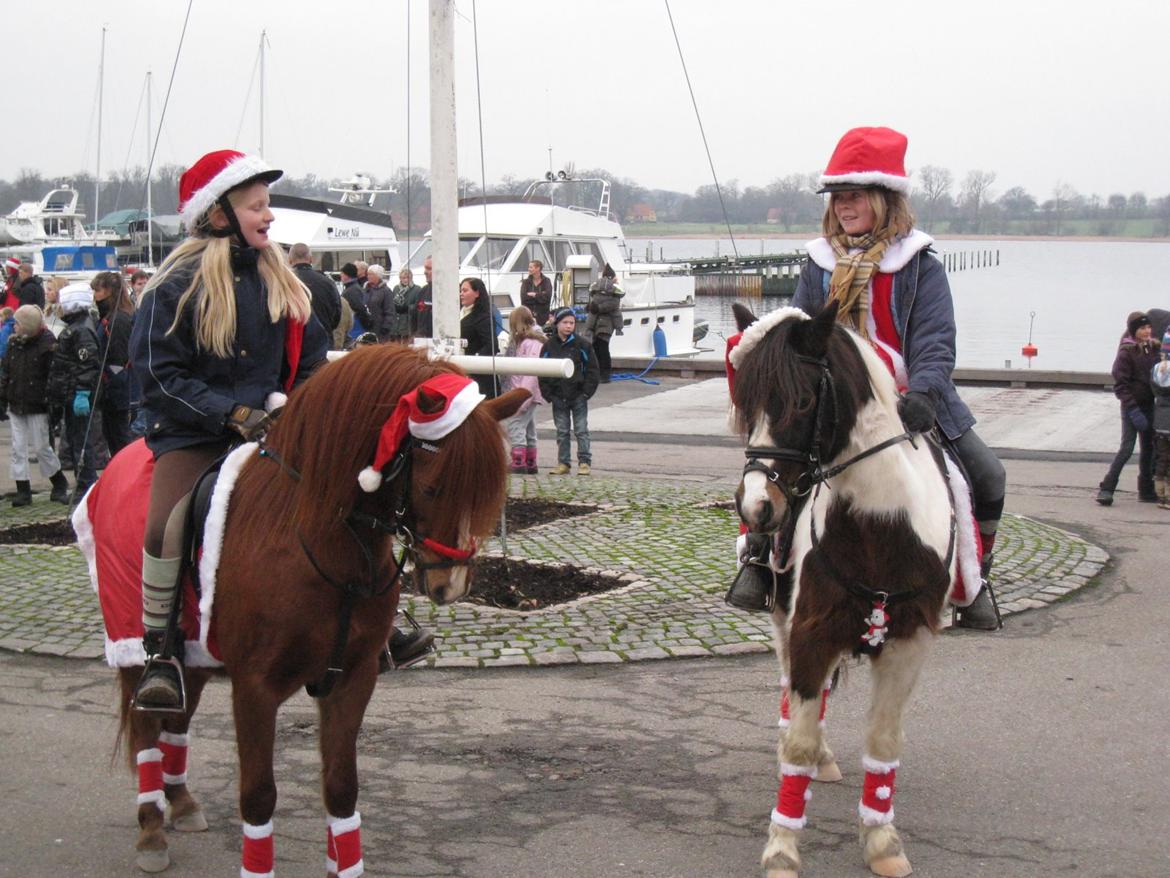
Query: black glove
pixel 1139 420
pixel 916 411
pixel 250 423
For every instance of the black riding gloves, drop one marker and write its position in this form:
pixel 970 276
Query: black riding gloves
pixel 250 423
pixel 917 411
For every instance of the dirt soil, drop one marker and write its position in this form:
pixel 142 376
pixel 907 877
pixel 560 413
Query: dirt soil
pixel 47 533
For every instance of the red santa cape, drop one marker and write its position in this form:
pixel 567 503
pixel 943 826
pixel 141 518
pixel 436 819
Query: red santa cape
pixel 110 523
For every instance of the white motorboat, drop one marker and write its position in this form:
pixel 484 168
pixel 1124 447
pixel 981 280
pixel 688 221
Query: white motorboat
pixel 500 235
pixel 51 235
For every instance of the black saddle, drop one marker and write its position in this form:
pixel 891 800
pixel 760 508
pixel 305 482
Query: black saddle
pixel 198 506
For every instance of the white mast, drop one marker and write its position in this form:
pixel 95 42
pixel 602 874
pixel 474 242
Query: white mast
pixel 149 210
pixel 97 183
pixel 444 174
pixel 263 38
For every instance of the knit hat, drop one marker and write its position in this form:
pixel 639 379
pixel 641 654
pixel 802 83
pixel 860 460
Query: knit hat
pixel 29 319
pixel 12 265
pixel 561 314
pixel 216 174
pixel 75 297
pixel 1136 321
pixel 866 158
pixel 457 396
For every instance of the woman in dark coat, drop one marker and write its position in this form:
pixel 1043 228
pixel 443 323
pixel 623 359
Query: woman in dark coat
pixel 605 317
pixel 478 329
pixel 1136 356
pixel 116 310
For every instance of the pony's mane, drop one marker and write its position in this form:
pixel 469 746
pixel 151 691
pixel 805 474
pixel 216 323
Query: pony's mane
pixel 329 430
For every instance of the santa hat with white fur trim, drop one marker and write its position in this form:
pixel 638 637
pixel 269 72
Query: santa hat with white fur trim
pixel 216 174
pixel 12 265
pixel 865 158
pixel 452 396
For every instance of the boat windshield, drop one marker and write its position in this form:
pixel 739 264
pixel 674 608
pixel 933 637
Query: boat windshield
pixel 489 255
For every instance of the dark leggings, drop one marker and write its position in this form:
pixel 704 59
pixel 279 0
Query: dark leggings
pixel 601 348
pixel 174 476
pixel 988 479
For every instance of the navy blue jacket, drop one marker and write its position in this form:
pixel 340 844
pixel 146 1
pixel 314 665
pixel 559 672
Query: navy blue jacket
pixel 925 318
pixel 586 374
pixel 189 392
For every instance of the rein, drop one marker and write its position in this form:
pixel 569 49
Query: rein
pixel 403 526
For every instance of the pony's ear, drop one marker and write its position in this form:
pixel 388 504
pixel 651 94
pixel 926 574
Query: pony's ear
pixel 817 331
pixel 428 404
pixel 743 316
pixel 506 405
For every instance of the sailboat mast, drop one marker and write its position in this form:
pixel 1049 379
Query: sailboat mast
pixel 149 210
pixel 444 172
pixel 97 183
pixel 263 37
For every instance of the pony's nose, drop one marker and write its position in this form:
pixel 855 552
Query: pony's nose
pixel 765 512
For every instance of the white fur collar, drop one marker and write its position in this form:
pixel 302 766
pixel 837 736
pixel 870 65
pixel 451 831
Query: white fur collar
pixel 755 333
pixel 896 256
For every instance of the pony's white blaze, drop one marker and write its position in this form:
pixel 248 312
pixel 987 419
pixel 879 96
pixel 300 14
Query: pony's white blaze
pixel 756 494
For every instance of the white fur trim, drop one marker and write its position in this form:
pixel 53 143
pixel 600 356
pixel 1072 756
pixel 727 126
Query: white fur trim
pixel 158 797
pixel 867 178
pixel 275 400
pixel 175 739
pixel 870 817
pixel 257 832
pixel 876 766
pixel 246 873
pixel 233 174
pixel 358 868
pixel 458 409
pixel 883 792
pixel 370 479
pixel 330 864
pixel 213 530
pixel 897 255
pixel 342 825
pixel 799 770
pixel 966 551
pixel 174 779
pixel 793 823
pixel 152 754
pixel 756 332
pixel 83 528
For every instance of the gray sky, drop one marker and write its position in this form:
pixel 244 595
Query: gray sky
pixel 1040 92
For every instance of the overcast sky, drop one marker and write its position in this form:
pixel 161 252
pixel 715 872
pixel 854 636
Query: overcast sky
pixel 1039 91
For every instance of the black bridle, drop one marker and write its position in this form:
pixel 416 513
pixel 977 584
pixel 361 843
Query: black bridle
pixel 403 524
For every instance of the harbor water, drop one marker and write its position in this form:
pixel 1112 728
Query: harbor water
pixel 1080 291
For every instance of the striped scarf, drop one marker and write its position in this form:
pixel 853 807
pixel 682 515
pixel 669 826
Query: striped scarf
pixel 849 284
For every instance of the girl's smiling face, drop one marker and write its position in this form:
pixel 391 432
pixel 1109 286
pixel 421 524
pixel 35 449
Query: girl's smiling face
pixel 250 204
pixel 854 211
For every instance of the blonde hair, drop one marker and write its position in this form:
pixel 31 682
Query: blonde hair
pixel 890 209
pixel 213 288
pixel 522 325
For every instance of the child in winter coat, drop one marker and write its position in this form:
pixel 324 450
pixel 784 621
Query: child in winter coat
pixel 605 317
pixel 1160 384
pixel 7 326
pixel 73 379
pixel 24 376
pixel 570 396
pixel 527 341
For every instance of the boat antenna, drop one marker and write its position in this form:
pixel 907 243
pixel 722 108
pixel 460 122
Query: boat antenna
pixel 97 183
pixel 699 119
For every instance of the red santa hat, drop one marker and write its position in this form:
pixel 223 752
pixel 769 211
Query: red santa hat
pixel 216 174
pixel 453 397
pixel 865 158
pixel 12 265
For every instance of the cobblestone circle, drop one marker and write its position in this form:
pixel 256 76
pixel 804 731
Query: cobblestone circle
pixel 671 543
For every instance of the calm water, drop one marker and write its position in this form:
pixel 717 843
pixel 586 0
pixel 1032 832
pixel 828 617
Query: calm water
pixel 1081 293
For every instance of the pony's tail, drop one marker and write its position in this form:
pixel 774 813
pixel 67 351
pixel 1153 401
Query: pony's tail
pixel 127 680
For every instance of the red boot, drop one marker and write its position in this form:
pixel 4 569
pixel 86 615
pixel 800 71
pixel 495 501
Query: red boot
pixel 519 461
pixel 530 458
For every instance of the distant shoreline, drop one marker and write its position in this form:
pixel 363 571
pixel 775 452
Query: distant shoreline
pixel 807 236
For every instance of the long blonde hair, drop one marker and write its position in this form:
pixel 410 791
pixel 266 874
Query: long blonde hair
pixel 522 325
pixel 890 209
pixel 214 290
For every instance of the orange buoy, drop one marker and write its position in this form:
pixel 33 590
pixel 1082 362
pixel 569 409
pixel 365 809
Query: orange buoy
pixel 1029 350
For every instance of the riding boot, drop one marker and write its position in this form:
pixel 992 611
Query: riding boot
pixel 755 583
pixel 161 686
pixel 23 494
pixel 982 614
pixel 404 648
pixel 60 492
pixel 530 459
pixel 519 459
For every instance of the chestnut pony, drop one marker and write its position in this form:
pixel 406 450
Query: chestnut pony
pixel 864 552
pixel 296 516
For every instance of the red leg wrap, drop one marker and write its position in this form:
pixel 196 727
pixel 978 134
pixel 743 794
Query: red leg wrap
pixel 877 794
pixel 150 777
pixel 174 757
pixel 258 856
pixel 345 846
pixel 785 708
pixel 792 796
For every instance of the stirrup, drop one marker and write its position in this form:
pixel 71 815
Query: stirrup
pixel 386 660
pixel 754 587
pixel 177 667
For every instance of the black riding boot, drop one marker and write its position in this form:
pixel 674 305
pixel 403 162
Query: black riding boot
pixel 23 494
pixel 983 612
pixel 60 492
pixel 755 583
pixel 405 648
pixel 161 687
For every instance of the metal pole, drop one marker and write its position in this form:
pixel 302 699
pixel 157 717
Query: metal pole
pixel 149 207
pixel 97 183
pixel 262 35
pixel 444 174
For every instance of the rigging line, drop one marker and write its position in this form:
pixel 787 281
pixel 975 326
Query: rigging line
pixel 167 100
pixel 408 226
pixel 247 98
pixel 698 118
pixel 130 146
pixel 486 236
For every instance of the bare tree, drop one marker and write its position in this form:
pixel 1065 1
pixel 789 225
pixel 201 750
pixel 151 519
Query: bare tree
pixel 976 191
pixel 935 187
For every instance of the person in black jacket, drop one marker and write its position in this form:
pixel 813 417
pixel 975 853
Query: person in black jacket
pixel 73 379
pixel 1136 356
pixel 116 311
pixel 570 396
pixel 29 289
pixel 478 330
pixel 354 293
pixel 424 315
pixel 536 292
pixel 24 376
pixel 211 348
pixel 380 301
pixel 323 292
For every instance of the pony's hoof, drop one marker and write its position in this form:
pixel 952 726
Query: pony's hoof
pixel 780 873
pixel 828 772
pixel 891 867
pixel 153 861
pixel 193 822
